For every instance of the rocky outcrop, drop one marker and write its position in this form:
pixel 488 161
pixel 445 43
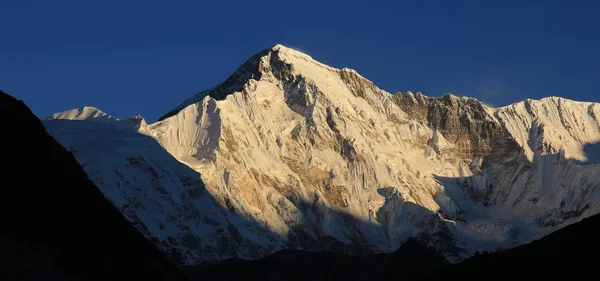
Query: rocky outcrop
pixel 466 123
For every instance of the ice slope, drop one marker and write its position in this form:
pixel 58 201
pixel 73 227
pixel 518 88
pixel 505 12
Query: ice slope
pixel 162 197
pixel 328 161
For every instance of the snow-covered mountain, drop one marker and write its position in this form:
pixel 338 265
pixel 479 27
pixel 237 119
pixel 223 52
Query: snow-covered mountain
pixel 85 113
pixel 296 154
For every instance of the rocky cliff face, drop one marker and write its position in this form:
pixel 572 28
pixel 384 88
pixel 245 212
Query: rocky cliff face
pixel 519 154
pixel 325 160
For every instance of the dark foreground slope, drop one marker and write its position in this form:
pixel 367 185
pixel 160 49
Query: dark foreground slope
pixel 410 262
pixel 54 223
pixel 571 252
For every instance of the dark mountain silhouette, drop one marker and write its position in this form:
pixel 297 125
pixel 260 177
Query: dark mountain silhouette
pixel 569 252
pixel 411 261
pixel 55 224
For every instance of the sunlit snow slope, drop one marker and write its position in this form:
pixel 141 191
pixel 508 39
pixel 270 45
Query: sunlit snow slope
pixel 325 160
pixel 85 113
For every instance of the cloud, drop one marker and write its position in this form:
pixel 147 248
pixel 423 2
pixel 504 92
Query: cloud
pixel 489 89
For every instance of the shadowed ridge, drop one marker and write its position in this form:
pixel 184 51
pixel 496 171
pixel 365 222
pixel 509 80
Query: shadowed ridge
pixel 253 69
pixel 570 252
pixel 250 69
pixel 56 225
pixel 410 262
pixel 418 259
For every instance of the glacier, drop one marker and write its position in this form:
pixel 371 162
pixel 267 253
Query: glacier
pixel 291 153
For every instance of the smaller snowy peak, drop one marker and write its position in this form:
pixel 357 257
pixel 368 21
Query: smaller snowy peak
pixel 87 113
pixel 547 125
pixel 135 123
pixel 549 100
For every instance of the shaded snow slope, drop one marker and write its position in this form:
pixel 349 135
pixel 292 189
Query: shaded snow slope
pixel 327 160
pixel 162 197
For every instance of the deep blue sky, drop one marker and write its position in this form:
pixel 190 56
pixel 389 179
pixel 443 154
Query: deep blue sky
pixel 129 57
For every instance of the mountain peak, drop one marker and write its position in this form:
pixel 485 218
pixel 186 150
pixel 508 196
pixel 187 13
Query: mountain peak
pixel 88 113
pixel 279 48
pixel 278 62
pixel 283 48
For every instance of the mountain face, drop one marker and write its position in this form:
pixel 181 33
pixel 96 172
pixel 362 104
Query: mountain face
pixel 293 153
pixel 56 225
pixel 165 199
